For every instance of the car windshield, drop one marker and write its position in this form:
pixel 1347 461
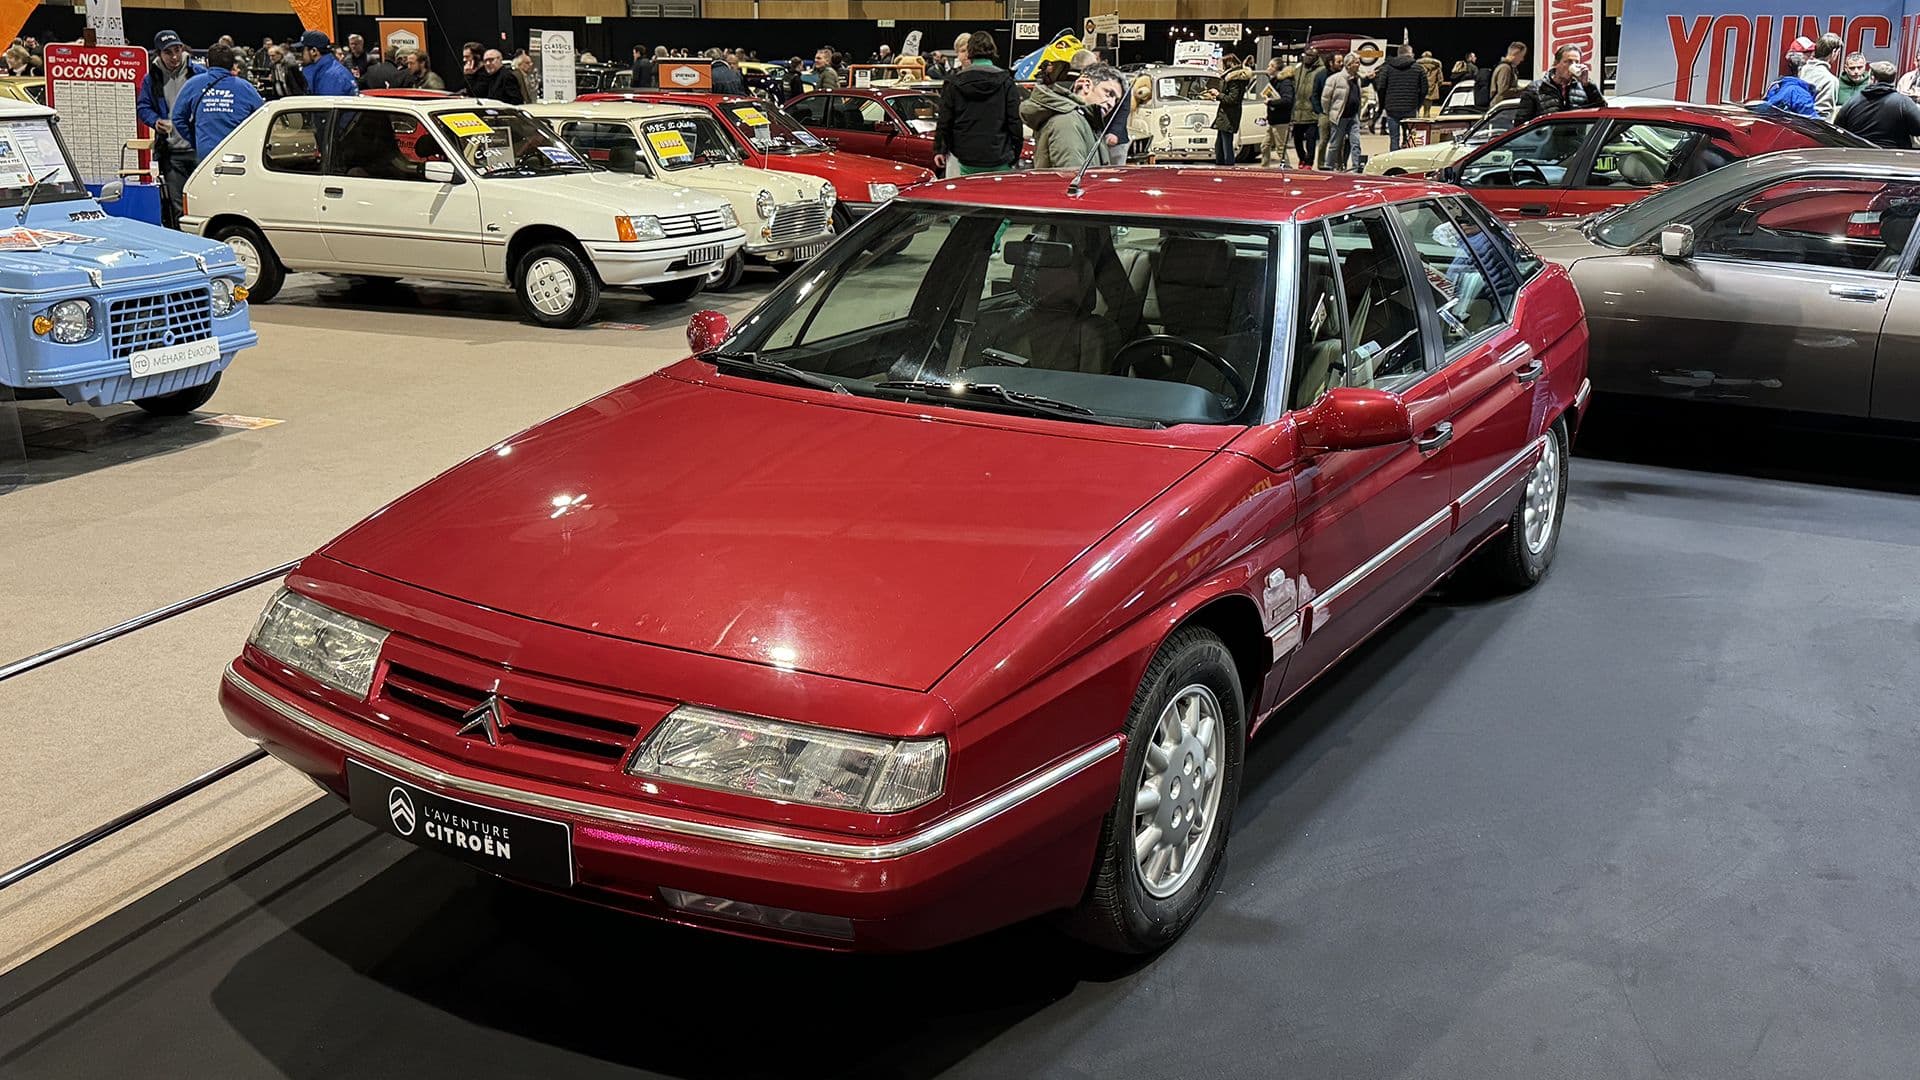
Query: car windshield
pixel 1637 221
pixel 1102 319
pixel 1185 87
pixel 30 149
pixel 1496 123
pixel 684 142
pixel 771 129
pixel 498 142
pixel 920 111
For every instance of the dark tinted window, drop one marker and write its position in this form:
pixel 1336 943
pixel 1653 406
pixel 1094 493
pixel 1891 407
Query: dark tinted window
pixel 612 145
pixel 296 142
pixel 1496 242
pixel 1832 222
pixel 811 109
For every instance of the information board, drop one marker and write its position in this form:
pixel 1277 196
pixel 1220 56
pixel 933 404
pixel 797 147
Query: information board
pixel 555 51
pixel 93 87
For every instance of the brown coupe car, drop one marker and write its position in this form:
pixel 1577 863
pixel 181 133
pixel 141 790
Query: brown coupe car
pixel 1786 281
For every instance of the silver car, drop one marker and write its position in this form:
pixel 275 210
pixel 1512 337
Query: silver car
pixel 1785 281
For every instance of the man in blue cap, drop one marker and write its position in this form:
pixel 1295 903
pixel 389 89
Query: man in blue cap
pixel 173 153
pixel 325 73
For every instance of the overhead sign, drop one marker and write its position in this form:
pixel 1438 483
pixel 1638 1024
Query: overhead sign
pixel 401 35
pixel 1371 52
pixel 1695 50
pixel 688 74
pixel 93 87
pixel 1026 31
pixel 108 27
pixel 1566 22
pixel 884 24
pixel 1103 24
pixel 1197 53
pixel 1223 31
pixel 554 48
pixel 1133 31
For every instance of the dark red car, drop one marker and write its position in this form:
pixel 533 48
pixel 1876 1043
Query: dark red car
pixel 947 588
pixel 769 138
pixel 896 124
pixel 1570 164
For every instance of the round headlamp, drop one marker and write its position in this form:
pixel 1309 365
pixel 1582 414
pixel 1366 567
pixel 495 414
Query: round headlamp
pixel 72 321
pixel 763 205
pixel 221 289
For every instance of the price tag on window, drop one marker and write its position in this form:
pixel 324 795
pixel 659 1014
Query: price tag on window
pixel 466 124
pixel 752 117
pixel 669 144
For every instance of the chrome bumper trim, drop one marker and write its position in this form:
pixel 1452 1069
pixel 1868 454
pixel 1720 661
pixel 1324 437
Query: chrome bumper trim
pixel 942 830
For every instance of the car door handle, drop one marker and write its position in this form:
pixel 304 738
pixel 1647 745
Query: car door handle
pixel 1529 373
pixel 334 192
pixel 1435 440
pixel 1534 210
pixel 1864 294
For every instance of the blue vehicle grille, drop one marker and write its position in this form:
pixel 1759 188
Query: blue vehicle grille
pixel 153 322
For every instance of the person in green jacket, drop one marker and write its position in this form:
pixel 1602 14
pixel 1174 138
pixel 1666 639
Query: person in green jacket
pixel 1062 137
pixel 1853 76
pixel 1306 117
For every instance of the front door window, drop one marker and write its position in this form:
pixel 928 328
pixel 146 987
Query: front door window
pixel 1539 156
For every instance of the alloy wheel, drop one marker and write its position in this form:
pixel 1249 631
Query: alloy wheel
pixel 1543 497
pixel 1177 798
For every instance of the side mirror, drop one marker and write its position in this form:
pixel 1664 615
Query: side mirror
pixel 1676 243
pixel 1354 418
pixel 439 172
pixel 706 330
pixel 1449 174
pixel 111 191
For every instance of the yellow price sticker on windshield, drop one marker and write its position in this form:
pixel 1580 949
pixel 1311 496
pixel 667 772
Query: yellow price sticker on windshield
pixel 669 144
pixel 465 124
pixel 752 117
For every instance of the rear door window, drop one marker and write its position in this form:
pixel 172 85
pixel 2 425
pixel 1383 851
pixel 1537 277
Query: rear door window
pixel 1539 155
pixel 297 142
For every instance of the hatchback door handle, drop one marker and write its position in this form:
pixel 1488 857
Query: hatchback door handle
pixel 1865 294
pixel 335 193
pixel 1529 373
pixel 1437 439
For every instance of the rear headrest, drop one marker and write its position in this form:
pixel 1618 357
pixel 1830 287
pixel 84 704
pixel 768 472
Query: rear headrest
pixel 1199 262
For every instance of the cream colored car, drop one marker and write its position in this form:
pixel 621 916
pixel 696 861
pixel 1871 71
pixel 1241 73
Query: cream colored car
pixel 788 217
pixel 1180 115
pixel 1422 160
pixel 453 189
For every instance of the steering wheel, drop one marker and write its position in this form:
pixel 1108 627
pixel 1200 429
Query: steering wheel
pixel 1538 172
pixel 1180 344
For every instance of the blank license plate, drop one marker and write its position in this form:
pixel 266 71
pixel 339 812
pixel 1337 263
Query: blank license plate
pixel 706 255
pixel 497 841
pixel 174 357
pixel 802 254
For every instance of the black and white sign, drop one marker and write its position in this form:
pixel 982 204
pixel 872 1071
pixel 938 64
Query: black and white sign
pixel 1026 31
pixel 1103 24
pixel 497 841
pixel 1133 31
pixel 1223 31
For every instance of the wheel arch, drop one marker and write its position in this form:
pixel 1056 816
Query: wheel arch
pixel 1235 619
pixel 532 236
pixel 223 219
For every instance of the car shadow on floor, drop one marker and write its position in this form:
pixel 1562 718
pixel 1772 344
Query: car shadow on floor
pixel 42 441
pixel 319 300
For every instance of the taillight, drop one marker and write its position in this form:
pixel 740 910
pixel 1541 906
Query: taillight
pixel 1864 225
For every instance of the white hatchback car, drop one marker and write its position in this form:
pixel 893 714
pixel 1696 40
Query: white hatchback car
pixel 789 217
pixel 455 189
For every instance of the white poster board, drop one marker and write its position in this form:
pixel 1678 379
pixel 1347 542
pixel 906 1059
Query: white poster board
pixel 555 50
pixel 1205 54
pixel 103 16
pixel 1133 31
pixel 93 87
pixel 1228 32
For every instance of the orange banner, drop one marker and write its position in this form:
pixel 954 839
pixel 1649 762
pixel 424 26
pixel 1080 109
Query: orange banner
pixel 314 14
pixel 13 16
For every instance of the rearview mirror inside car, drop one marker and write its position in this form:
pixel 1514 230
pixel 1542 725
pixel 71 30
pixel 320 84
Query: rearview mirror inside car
pixel 1676 242
pixel 1354 418
pixel 706 330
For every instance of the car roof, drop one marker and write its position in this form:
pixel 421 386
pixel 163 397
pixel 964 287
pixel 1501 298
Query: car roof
pixel 1678 113
pixel 688 99
pixel 411 104
pixel 1902 165
pixel 623 110
pixel 1263 196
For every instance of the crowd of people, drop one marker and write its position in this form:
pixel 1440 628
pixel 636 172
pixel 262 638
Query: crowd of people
pixel 1872 100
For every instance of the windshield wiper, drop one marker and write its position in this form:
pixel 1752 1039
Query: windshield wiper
pixel 1037 404
pixel 755 362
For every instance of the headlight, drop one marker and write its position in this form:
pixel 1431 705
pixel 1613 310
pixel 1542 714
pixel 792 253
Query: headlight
pixel 826 195
pixel 1196 121
pixel 1166 121
pixel 763 205
pixel 775 760
pixel 637 228
pixel 882 192
pixel 222 290
pixel 336 649
pixel 72 320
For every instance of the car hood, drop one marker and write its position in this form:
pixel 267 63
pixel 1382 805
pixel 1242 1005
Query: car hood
pixel 1416 159
pixel 855 171
pixel 1560 240
pixel 733 180
pixel 109 250
pixel 609 192
pixel 737 520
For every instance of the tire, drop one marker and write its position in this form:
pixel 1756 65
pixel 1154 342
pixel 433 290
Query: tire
pixel 1122 912
pixel 555 286
pixel 728 275
pixel 180 402
pixel 265 275
pixel 675 292
pixel 1521 556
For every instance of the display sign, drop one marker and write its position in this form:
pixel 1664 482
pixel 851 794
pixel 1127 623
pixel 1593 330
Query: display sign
pixel 1371 52
pixel 911 46
pixel 1566 22
pixel 884 24
pixel 103 17
pixel 751 117
pixel 687 74
pixel 93 86
pixel 466 124
pixel 1026 31
pixel 1103 24
pixel 401 35
pixel 1224 31
pixel 554 51
pixel 1198 53
pixel 1697 50
pixel 1133 31
pixel 668 144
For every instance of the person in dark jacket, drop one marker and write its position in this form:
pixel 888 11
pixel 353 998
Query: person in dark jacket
pixel 324 72
pixel 1234 81
pixel 1879 113
pixel 1482 83
pixel 173 152
pixel 382 74
pixel 1505 81
pixel 213 103
pixel 1565 87
pixel 643 70
pixel 1062 133
pixel 979 125
pixel 1301 80
pixel 1402 86
pixel 726 77
pixel 496 80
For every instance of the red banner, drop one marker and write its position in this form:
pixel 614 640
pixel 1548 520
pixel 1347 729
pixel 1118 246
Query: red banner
pixel 94 87
pixel 1566 22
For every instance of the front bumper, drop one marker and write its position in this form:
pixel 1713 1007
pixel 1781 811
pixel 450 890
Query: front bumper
pixel 783 251
pixel 1025 850
pixel 652 262
pixel 1187 144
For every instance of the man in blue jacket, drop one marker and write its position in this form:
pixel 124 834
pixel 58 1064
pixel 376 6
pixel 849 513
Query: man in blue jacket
pixel 326 75
pixel 213 104
pixel 1792 93
pixel 173 153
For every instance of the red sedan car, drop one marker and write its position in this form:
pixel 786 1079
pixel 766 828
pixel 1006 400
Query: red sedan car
pixel 924 601
pixel 896 124
pixel 769 138
pixel 1570 164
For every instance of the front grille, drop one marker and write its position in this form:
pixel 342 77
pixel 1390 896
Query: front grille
pixel 152 322
pixel 798 221
pixel 445 700
pixel 693 224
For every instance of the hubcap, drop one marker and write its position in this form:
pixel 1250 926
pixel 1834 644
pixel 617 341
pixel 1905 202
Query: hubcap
pixel 1178 794
pixel 550 286
pixel 1543 498
pixel 249 258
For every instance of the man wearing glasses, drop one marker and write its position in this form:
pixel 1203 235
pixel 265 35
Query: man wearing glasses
pixel 166 77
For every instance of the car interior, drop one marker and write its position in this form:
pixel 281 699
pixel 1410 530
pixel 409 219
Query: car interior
pixel 1836 223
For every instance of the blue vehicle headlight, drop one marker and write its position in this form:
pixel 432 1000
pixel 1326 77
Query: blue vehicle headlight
pixel 72 321
pixel 221 290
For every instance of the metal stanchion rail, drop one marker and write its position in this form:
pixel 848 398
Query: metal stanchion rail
pixel 147 809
